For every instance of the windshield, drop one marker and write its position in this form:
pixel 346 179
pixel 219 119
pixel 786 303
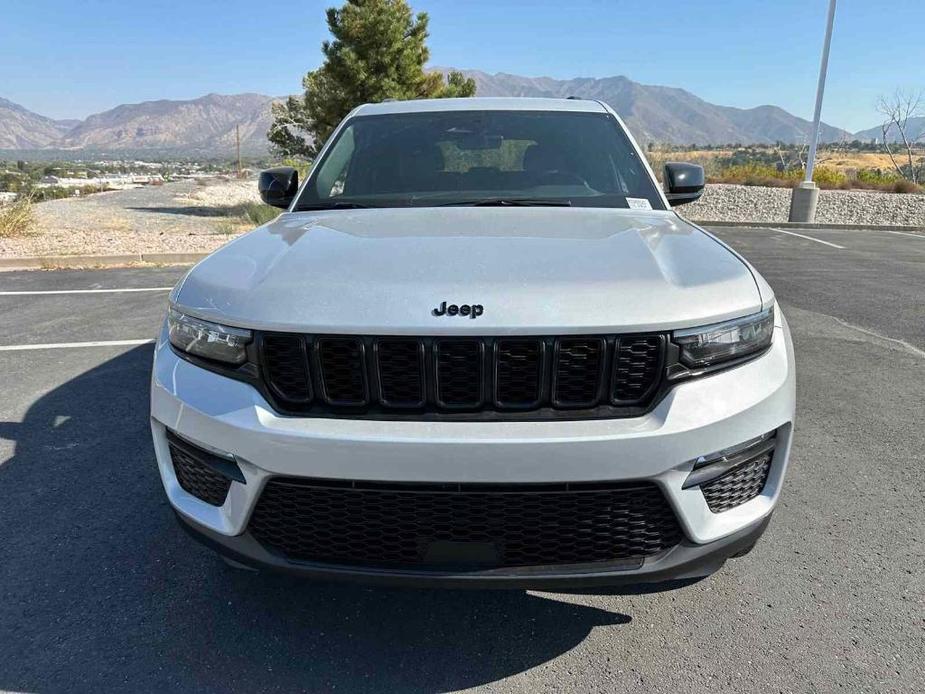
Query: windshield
pixel 481 157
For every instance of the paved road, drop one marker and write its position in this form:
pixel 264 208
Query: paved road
pixel 100 590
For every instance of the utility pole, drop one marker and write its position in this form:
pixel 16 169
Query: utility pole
pixel 237 139
pixel 806 195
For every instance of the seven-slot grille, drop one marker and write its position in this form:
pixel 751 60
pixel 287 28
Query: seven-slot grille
pixel 604 375
pixel 464 526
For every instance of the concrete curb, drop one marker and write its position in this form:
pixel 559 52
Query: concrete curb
pixel 83 261
pixel 805 225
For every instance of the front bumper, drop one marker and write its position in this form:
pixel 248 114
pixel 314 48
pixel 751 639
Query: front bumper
pixel 685 563
pixel 695 419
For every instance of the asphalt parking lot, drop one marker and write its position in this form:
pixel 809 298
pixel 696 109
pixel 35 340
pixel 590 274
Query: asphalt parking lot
pixel 101 590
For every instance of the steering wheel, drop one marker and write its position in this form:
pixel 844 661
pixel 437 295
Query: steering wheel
pixel 563 177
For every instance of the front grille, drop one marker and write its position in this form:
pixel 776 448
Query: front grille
pixel 637 363
pixel 519 370
pixel 579 367
pixel 418 377
pixel 287 367
pixel 343 371
pixel 476 526
pixel 742 483
pixel 400 364
pixel 459 373
pixel 195 471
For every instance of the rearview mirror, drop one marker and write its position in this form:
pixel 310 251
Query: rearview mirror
pixel 683 182
pixel 278 186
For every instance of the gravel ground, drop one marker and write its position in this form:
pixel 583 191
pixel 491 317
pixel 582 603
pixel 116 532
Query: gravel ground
pixel 188 217
pixel 175 217
pixel 730 203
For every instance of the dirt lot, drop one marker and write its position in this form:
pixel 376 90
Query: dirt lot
pixel 188 217
pixel 175 217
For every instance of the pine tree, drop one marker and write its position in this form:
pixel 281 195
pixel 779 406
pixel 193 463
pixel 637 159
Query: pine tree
pixel 378 52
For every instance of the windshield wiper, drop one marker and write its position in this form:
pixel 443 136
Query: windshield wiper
pixel 508 202
pixel 332 205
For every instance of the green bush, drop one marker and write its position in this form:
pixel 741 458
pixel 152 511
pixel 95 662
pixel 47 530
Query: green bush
pixel 259 213
pixel 59 192
pixel 301 165
pixel 16 218
pixel 757 174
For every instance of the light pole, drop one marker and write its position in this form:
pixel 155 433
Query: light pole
pixel 805 196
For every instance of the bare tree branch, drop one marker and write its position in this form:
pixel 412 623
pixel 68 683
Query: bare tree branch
pixel 896 111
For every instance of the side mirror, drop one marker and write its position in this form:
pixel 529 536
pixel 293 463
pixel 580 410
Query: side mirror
pixel 278 186
pixel 683 182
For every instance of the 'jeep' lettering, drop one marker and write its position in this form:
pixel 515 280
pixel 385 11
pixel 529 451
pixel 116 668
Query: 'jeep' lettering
pixel 471 310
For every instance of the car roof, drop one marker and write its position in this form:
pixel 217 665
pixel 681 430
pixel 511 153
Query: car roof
pixel 481 104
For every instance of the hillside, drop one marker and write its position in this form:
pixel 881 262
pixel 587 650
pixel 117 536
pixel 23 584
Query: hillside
pixel 20 128
pixel 915 131
pixel 663 114
pixel 204 125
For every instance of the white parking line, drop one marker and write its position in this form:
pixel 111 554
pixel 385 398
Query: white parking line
pixel 75 345
pixel 88 291
pixel 808 238
pixel 900 233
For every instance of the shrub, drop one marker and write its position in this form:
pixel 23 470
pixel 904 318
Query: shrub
pixel 17 218
pixel 244 213
pixel 259 213
pixel 828 178
pixel 904 186
pixel 301 165
pixel 58 192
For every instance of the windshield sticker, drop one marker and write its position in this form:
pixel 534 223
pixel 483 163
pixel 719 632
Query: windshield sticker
pixel 638 204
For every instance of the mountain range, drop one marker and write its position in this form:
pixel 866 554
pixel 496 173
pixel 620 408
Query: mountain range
pixel 915 130
pixel 198 127
pixel 206 126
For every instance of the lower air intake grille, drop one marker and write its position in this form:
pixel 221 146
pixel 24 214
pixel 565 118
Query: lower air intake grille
pixel 742 483
pixel 464 526
pixel 195 475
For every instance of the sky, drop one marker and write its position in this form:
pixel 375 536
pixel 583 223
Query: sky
pixel 68 59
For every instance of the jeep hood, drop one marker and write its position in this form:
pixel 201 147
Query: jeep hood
pixel 534 270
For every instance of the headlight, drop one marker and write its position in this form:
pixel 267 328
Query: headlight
pixel 721 342
pixel 205 339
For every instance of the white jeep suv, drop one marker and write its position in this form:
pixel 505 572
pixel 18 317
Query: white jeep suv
pixel 478 348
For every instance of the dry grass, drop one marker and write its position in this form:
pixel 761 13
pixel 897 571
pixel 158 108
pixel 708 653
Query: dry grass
pixel 229 227
pixel 842 162
pixel 835 170
pixel 17 218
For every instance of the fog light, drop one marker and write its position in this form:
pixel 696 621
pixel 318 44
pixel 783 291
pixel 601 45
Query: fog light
pixel 733 476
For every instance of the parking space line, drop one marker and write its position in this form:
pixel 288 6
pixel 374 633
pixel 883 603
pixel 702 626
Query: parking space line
pixel 808 238
pixel 75 345
pixel 87 291
pixel 900 233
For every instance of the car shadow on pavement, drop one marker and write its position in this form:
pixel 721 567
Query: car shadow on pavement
pixel 101 590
